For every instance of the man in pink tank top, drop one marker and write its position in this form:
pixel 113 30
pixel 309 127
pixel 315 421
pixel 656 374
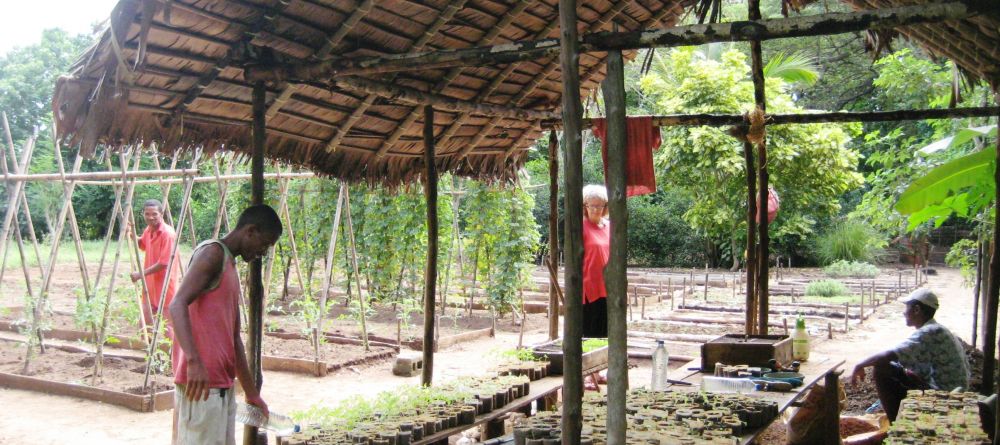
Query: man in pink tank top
pixel 208 352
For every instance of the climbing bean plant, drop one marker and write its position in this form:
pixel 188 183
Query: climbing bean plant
pixel 500 236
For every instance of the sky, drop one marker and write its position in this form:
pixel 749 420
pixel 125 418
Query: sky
pixel 22 22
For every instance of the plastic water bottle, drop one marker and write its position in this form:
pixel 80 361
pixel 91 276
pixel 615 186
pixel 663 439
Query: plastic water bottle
pixel 277 423
pixel 800 340
pixel 661 368
pixel 727 384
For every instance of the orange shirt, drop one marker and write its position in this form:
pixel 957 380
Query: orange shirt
pixel 159 244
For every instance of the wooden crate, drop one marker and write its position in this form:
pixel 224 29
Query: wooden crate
pixel 596 359
pixel 738 349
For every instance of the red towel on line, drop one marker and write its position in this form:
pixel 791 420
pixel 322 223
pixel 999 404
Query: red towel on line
pixel 642 138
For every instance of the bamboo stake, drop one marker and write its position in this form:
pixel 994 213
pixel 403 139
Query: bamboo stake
pixel 14 199
pixel 328 272
pixel 23 203
pixel 185 204
pixel 74 227
pixel 127 217
pixel 119 192
pixel 223 187
pixel 129 194
pixel 4 239
pixel 354 265
pixel 272 255
pixel 283 208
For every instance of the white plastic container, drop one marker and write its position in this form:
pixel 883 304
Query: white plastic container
pixel 727 384
pixel 661 367
pixel 278 424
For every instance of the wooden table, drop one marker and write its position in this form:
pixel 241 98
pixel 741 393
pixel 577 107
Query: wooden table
pixel 814 370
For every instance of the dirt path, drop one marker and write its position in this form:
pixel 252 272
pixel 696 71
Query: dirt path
pixel 37 419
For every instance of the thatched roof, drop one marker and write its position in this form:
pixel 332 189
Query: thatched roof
pixel 170 72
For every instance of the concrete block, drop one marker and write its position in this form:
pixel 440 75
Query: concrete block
pixel 408 365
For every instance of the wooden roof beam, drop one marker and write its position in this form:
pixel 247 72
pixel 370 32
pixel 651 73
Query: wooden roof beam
pixel 721 120
pixel 287 90
pixel 769 29
pixel 416 97
pixel 443 18
pixel 494 32
pixel 551 67
pixel 263 21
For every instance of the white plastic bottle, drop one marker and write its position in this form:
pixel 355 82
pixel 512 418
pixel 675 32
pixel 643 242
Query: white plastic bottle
pixel 661 367
pixel 800 340
pixel 278 424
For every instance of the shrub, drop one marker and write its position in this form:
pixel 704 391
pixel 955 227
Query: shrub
pixel 963 256
pixel 851 269
pixel 849 241
pixel 826 288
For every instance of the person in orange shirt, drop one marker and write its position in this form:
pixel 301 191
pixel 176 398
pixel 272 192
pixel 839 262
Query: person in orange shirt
pixel 158 242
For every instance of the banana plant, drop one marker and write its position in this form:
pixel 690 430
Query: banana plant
pixel 963 186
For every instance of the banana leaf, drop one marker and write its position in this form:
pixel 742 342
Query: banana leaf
pixel 946 180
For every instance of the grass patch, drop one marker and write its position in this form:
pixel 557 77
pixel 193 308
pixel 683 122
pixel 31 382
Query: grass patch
pixel 826 289
pixel 67 253
pixel 854 269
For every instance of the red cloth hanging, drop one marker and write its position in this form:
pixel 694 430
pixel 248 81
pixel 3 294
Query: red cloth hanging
pixel 642 137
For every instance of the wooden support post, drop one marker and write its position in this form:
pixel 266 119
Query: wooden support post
pixel 831 408
pixel 829 330
pixel 861 316
pixel 847 315
pixel 354 266
pixel 572 110
pixel 616 275
pixel 430 274
pixel 255 296
pixel 751 250
pixel 976 292
pixel 993 289
pixel 74 227
pixel 553 233
pixel 784 323
pixel 757 73
pixel 14 199
pixel 705 287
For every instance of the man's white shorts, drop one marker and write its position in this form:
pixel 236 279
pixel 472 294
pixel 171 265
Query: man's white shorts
pixel 205 422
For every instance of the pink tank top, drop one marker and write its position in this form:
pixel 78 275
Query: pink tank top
pixel 213 323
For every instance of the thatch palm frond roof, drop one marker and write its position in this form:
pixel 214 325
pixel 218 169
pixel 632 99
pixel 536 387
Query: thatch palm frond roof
pixel 170 73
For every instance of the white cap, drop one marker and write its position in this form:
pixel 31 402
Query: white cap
pixel 925 296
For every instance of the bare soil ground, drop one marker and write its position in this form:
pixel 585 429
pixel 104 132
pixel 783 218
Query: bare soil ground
pixel 42 419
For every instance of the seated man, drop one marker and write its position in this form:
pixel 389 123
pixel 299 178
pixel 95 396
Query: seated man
pixel 931 358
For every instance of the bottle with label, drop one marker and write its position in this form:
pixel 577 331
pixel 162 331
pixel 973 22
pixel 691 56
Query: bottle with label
pixel 800 340
pixel 278 424
pixel 661 367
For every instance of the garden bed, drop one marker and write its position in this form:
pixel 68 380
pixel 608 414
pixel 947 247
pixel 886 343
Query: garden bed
pixel 59 372
pixel 293 353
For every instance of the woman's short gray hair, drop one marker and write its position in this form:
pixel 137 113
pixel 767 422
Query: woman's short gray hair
pixel 595 191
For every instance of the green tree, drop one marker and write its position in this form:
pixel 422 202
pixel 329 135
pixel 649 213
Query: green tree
pixel 810 165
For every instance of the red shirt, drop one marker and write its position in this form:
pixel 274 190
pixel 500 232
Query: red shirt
pixel 213 327
pixel 596 250
pixel 159 244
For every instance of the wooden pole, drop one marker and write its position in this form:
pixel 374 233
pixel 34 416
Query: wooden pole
pixel 23 203
pixel 751 250
pixel 722 120
pixel 255 282
pixel 119 192
pixel 616 277
pixel 572 110
pixel 553 232
pixel 993 286
pixel 430 274
pixel 976 291
pixel 14 197
pixel 757 73
pixel 799 26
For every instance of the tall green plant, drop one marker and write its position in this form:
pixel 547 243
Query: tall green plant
pixel 848 241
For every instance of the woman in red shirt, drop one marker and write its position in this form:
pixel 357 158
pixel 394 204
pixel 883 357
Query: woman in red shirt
pixel 596 249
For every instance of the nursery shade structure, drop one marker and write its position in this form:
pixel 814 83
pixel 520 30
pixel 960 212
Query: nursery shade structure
pixel 172 72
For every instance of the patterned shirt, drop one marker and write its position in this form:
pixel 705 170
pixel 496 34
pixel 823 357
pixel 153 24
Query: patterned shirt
pixel 933 353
